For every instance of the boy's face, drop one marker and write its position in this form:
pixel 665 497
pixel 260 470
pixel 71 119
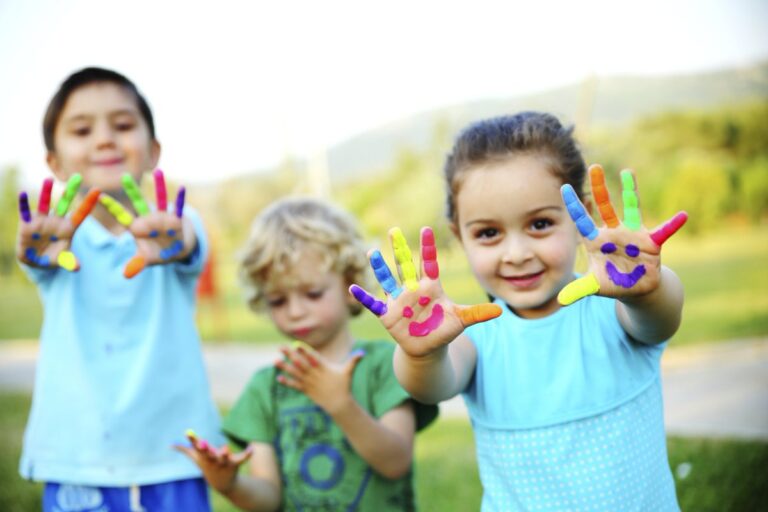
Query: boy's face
pixel 310 304
pixel 101 134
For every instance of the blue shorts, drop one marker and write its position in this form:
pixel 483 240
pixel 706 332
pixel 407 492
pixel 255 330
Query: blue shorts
pixel 182 495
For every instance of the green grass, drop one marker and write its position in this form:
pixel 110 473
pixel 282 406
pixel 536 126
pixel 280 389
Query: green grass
pixel 724 276
pixel 722 476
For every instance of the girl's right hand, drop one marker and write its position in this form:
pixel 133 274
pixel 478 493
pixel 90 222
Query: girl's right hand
pixel 44 240
pixel 418 315
pixel 219 465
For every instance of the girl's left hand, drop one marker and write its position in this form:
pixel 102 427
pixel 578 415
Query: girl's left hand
pixel 326 383
pixel 624 257
pixel 160 234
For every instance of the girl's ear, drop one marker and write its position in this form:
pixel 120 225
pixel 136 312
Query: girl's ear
pixel 55 166
pixel 455 230
pixel 154 153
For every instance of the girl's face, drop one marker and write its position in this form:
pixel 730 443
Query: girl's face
pixel 310 305
pixel 101 134
pixel 519 239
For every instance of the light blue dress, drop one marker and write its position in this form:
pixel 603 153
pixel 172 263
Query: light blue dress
pixel 120 374
pixel 567 413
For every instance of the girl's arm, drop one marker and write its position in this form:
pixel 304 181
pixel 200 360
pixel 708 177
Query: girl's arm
pixel 439 375
pixel 655 316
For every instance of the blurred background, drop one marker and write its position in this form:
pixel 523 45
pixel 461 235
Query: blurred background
pixel 360 102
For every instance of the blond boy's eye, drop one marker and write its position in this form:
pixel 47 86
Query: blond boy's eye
pixel 276 302
pixel 315 294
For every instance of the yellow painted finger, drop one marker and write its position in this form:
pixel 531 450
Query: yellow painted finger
pixel 67 261
pixel 117 210
pixel 404 259
pixel 578 289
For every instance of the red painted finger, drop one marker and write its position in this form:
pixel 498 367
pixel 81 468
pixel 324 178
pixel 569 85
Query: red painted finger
pixel 44 205
pixel 669 228
pixel 160 191
pixel 429 253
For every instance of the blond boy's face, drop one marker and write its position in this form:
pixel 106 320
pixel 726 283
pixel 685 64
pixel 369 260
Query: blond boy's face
pixel 101 134
pixel 310 304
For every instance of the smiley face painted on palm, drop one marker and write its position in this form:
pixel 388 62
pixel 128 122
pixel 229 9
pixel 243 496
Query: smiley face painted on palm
pixel 433 321
pixel 619 278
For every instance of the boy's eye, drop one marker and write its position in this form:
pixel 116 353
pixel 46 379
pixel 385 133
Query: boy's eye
pixel 315 294
pixel 275 302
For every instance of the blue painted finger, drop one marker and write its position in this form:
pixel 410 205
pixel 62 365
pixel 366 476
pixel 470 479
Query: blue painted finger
pixel 383 274
pixel 376 307
pixel 578 213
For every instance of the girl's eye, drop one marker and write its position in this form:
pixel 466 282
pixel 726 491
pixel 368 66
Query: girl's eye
pixel 486 233
pixel 541 224
pixel 124 126
pixel 315 294
pixel 81 131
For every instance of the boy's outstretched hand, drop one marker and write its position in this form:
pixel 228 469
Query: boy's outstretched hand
pixel 160 234
pixel 219 465
pixel 44 240
pixel 624 257
pixel 418 314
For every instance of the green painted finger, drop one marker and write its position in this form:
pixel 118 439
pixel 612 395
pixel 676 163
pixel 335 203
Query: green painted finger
pixel 134 194
pixel 73 185
pixel 578 289
pixel 631 203
pixel 122 215
pixel 404 259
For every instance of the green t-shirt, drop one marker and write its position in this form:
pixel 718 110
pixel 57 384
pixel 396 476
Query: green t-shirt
pixel 320 470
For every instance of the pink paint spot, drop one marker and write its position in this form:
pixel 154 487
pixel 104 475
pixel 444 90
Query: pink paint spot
pixel 407 312
pixel 424 300
pixel 420 329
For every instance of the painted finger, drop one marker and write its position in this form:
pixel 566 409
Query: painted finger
pixel 134 266
pixel 173 250
pixel 404 259
pixel 24 212
pixel 578 213
pixel 631 202
pixel 68 261
pixel 470 315
pixel 578 289
pixel 384 275
pixel 669 228
pixel 44 203
pixel 297 360
pixel 134 194
pixel 602 198
pixel 180 202
pixel 307 352
pixel 73 185
pixel 192 436
pixel 161 193
pixel 243 456
pixel 117 210
pixel 90 200
pixel 429 253
pixel 376 307
pixel 354 359
pixel 291 383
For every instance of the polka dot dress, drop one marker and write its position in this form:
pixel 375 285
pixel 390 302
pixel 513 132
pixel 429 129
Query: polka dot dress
pixel 613 461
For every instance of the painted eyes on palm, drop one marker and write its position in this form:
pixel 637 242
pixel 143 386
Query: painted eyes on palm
pixel 589 284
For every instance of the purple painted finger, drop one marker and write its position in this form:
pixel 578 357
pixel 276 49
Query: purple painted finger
pixel 376 307
pixel 26 216
pixel 180 202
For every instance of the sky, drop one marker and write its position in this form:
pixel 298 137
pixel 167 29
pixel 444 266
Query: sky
pixel 237 86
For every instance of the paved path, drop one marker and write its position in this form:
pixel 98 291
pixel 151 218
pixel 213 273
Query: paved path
pixel 718 390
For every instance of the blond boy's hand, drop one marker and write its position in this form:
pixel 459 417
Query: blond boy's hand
pixel 326 383
pixel 418 315
pixel 44 240
pixel 219 465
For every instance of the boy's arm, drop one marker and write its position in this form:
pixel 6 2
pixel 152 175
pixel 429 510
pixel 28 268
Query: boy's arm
pixel 261 489
pixel 439 375
pixel 655 316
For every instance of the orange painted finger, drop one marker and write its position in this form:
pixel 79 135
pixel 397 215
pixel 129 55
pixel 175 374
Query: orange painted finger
pixel 602 198
pixel 85 207
pixel 471 315
pixel 134 266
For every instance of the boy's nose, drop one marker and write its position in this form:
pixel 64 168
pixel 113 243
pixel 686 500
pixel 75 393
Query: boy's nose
pixel 295 307
pixel 103 135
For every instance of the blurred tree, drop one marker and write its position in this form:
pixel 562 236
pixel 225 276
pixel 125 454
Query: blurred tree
pixel 9 219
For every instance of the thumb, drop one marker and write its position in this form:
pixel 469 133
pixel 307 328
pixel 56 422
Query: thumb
pixel 354 358
pixel 470 315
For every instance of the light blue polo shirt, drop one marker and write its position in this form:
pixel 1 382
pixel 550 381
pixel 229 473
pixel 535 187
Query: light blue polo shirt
pixel 567 413
pixel 120 374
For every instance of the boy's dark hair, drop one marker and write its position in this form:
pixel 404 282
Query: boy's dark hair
pixel 498 138
pixel 88 76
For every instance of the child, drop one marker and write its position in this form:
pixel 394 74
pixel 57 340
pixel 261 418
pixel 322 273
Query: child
pixel 565 402
pixel 329 427
pixel 120 370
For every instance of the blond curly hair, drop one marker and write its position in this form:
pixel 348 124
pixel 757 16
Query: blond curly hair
pixel 290 228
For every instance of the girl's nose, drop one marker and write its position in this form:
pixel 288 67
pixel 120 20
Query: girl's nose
pixel 517 250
